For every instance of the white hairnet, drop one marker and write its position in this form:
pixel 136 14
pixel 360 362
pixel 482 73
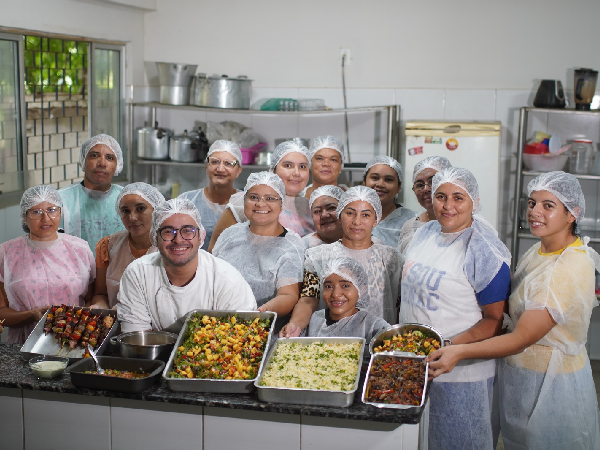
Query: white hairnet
pixel 328 190
pixel 222 145
pixel 331 142
pixel 462 178
pixel 36 195
pixel 563 186
pixel 144 190
pixel 438 163
pixel 268 179
pixel 287 147
pixel 171 207
pixel 388 161
pixel 350 270
pixel 107 140
pixel 358 193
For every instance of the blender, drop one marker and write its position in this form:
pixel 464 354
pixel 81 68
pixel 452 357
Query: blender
pixel 585 88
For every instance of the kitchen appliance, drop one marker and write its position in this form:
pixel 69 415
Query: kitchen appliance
pixel 145 344
pixel 153 142
pixel 550 94
pixel 185 147
pixel 175 80
pixel 472 145
pixel 221 92
pixel 585 88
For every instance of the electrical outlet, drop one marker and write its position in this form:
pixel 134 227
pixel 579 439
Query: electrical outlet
pixel 345 53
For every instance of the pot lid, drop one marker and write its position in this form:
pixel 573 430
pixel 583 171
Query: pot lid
pixel 224 77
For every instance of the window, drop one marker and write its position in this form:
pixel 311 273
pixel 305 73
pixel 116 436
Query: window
pixel 69 88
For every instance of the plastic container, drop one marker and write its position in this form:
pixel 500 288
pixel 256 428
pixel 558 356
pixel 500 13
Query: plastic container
pixel 581 155
pixel 544 163
pixel 249 154
pixel 311 104
pixel 48 366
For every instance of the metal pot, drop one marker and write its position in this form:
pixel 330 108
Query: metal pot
pixel 175 80
pixel 153 142
pixel 145 344
pixel 184 148
pixel 221 92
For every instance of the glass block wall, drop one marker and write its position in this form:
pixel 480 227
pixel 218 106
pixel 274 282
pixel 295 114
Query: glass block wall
pixel 9 120
pixel 56 97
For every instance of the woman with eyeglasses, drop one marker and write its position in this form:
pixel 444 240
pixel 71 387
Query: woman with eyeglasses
pixel 269 256
pixel 422 178
pixel 290 162
pixel 384 175
pixel 114 253
pixel 43 267
pixel 223 166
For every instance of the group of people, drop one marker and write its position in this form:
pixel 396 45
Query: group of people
pixel 336 261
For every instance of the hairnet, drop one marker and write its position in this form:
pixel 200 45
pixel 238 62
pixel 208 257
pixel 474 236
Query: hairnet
pixel 331 142
pixel 438 163
pixel 358 193
pixel 107 140
pixel 388 161
pixel 147 192
pixel 350 270
pixel 171 207
pixel 328 190
pixel 268 179
pixel 287 147
pixel 563 186
pixel 222 145
pixel 462 178
pixel 36 195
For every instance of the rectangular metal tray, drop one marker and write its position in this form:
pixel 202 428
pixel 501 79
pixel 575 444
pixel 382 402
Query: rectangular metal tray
pixel 313 397
pixel 402 328
pixel 106 383
pixel 389 405
pixel 211 385
pixel 39 343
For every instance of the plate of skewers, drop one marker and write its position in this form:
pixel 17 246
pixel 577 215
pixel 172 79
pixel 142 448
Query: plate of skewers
pixel 67 331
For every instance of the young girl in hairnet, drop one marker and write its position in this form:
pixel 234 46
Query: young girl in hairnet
pixel 547 394
pixel 345 292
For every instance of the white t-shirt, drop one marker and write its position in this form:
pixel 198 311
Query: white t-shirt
pixel 147 300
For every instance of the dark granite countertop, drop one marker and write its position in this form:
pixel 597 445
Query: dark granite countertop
pixel 15 373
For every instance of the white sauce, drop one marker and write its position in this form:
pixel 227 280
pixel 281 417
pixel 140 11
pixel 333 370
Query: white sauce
pixel 48 369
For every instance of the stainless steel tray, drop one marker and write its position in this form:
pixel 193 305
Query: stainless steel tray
pixel 40 343
pixel 377 356
pixel 400 329
pixel 309 396
pixel 211 385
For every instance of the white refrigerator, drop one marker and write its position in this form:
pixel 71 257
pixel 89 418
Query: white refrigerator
pixel 472 145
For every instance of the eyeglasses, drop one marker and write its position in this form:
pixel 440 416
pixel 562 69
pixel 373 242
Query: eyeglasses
pixel 217 162
pixel 187 232
pixel 267 198
pixel 420 185
pixel 37 214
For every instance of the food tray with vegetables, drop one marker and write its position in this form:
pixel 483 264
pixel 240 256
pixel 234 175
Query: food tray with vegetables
pixel 407 339
pixel 220 351
pixel 312 371
pixel 122 374
pixel 67 330
pixel 395 381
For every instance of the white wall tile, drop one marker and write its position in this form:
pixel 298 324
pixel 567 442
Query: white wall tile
pixel 508 105
pixel 357 98
pixel 334 98
pixel 420 104
pixel 470 104
pixel 275 126
pixel 311 126
pixel 179 120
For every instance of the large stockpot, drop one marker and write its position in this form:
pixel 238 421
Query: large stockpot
pixel 145 344
pixel 153 142
pixel 221 92
pixel 175 80
pixel 185 148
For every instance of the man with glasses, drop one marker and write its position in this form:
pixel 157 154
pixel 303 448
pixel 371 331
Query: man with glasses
pixel 159 288
pixel 89 207
pixel 223 166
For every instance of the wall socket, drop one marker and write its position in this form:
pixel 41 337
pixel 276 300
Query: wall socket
pixel 345 52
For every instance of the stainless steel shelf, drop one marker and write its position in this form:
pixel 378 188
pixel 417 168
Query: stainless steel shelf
pixel 166 162
pixel 576 175
pixel 561 110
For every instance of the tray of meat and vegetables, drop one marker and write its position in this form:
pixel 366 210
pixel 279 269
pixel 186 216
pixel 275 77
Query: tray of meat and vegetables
pixel 312 371
pixel 408 339
pixel 219 351
pixel 67 331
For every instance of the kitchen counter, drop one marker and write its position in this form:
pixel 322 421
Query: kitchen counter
pixel 15 375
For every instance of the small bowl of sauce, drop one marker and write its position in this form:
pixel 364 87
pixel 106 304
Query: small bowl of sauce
pixel 48 366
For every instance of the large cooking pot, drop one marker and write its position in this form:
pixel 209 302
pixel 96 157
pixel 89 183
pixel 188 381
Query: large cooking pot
pixel 153 142
pixel 297 140
pixel 175 80
pixel 221 92
pixel 184 148
pixel 145 344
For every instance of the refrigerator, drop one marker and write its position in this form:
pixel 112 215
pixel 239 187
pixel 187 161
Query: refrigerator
pixel 472 145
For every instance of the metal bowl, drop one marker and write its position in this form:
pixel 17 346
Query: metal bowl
pixel 145 344
pixel 402 328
